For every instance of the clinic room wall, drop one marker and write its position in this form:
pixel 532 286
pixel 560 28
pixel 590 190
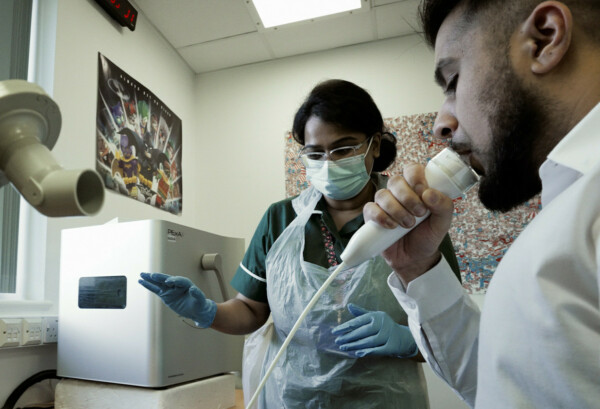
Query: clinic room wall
pixel 233 132
pixel 143 54
pixel 244 112
pixel 82 30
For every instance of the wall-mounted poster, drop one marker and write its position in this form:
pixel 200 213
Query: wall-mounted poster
pixel 480 236
pixel 138 140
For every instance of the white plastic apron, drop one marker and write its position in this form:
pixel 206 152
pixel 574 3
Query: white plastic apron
pixel 313 373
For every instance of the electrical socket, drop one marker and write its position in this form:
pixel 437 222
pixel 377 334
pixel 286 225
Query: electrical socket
pixel 10 332
pixel 32 331
pixel 50 330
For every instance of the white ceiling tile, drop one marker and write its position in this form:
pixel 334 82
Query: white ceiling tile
pixel 215 34
pixel 225 53
pixel 410 13
pixel 391 19
pixel 321 34
pixel 186 22
pixel 377 3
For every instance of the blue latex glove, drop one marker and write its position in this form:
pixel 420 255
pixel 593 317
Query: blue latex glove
pixel 182 296
pixel 374 333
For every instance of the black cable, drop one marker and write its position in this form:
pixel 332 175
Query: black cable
pixel 26 384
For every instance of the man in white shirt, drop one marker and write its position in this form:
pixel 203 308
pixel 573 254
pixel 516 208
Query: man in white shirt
pixel 521 80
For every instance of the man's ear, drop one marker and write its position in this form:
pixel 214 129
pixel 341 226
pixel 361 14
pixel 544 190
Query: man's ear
pixel 547 34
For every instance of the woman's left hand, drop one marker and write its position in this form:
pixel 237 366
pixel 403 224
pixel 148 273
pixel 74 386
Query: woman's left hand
pixel 374 333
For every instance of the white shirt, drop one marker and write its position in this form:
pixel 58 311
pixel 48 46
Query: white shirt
pixel 537 342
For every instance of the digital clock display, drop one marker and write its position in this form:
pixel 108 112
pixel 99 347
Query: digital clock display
pixel 121 10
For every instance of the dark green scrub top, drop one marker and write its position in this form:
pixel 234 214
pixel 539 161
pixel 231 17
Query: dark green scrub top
pixel 249 278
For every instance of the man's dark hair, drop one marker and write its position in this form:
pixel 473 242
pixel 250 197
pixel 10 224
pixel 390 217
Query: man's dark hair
pixel 432 14
pixel 350 108
pixel 502 15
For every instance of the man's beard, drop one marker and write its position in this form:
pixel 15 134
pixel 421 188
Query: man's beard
pixel 516 121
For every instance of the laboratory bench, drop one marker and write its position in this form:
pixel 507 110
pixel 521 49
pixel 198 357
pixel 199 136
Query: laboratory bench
pixel 209 393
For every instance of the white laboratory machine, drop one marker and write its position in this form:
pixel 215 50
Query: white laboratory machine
pixel 111 329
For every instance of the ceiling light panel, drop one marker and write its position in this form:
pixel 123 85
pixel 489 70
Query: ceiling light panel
pixel 275 13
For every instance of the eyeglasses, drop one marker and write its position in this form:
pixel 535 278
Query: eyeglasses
pixel 334 154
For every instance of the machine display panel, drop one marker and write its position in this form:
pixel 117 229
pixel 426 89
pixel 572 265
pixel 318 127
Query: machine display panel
pixel 108 292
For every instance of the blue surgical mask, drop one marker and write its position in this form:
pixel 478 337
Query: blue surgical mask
pixel 339 180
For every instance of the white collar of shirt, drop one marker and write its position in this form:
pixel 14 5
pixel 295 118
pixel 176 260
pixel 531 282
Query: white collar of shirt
pixel 572 157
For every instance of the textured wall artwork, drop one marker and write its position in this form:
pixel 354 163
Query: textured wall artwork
pixel 480 237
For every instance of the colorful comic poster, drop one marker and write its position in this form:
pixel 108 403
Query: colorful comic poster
pixel 138 141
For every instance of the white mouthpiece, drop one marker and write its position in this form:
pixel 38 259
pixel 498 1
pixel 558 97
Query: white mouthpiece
pixel 445 172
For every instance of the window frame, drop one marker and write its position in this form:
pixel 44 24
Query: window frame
pixel 30 295
pixel 11 282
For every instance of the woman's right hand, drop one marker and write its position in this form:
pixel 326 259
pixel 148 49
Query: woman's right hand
pixel 407 196
pixel 182 296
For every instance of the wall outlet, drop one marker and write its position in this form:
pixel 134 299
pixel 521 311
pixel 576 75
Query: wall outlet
pixel 50 330
pixel 32 331
pixel 10 332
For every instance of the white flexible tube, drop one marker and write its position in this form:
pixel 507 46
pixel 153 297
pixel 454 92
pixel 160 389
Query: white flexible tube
pixel 447 173
pixel 305 312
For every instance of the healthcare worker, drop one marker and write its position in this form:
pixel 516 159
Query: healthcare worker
pixel 353 350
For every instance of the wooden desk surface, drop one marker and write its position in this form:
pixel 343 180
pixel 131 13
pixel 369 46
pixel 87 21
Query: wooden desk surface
pixel 239 399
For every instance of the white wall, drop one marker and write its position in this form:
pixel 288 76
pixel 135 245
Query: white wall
pixel 233 130
pixel 243 114
pixel 83 30
pixel 143 54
